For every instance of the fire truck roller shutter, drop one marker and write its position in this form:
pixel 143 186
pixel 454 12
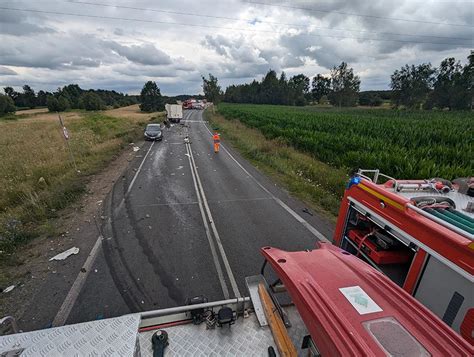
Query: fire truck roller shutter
pixel 445 292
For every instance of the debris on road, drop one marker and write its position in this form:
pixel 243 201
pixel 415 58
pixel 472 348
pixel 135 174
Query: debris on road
pixel 180 167
pixel 305 210
pixel 8 289
pixel 65 254
pixel 136 148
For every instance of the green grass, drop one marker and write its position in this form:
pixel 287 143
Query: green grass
pixel 403 144
pixel 312 150
pixel 37 177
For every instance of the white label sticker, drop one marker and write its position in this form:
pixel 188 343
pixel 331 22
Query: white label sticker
pixel 358 298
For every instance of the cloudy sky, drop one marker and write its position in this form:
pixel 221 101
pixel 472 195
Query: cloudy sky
pixel 121 44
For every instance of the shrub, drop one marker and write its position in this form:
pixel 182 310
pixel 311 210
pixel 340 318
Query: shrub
pixel 91 101
pixel 6 105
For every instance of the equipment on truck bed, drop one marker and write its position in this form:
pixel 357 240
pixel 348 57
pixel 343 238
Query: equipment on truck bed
pixel 419 234
pixel 342 307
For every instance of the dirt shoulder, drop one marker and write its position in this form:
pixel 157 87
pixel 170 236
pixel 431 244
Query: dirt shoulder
pixel 78 226
pixel 100 141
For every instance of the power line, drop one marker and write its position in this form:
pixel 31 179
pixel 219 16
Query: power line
pixel 219 27
pixel 355 14
pixel 261 21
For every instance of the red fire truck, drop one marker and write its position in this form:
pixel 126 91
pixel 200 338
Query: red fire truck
pixel 419 233
pixel 339 306
pixel 318 302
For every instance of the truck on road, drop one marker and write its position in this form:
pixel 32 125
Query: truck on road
pixel 174 112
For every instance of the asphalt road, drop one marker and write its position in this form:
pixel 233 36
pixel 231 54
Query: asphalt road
pixel 185 221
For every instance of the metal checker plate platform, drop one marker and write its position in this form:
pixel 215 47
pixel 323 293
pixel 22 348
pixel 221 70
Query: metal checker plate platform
pixel 111 337
pixel 245 338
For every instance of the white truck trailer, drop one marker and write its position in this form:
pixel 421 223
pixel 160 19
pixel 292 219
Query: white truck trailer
pixel 174 112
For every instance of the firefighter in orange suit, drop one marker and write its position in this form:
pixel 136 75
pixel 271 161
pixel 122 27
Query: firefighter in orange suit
pixel 217 141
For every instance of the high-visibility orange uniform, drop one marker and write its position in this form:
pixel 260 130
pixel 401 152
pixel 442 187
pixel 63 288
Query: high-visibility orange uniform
pixel 217 142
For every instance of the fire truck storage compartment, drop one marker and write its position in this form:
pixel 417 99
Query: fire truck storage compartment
pixel 377 246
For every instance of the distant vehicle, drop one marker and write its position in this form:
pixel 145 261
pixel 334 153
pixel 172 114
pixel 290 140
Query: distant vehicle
pixel 153 132
pixel 194 104
pixel 197 104
pixel 174 112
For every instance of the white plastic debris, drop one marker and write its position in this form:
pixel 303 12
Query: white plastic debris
pixel 180 167
pixel 136 148
pixel 67 253
pixel 8 289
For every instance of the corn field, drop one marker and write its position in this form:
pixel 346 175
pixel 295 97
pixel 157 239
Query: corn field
pixel 402 144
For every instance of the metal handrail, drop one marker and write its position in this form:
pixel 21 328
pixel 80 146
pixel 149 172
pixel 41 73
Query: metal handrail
pixel 440 221
pixel 186 308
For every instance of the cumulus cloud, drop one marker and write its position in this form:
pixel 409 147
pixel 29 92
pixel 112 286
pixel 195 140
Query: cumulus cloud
pixel 47 50
pixel 4 71
pixel 146 54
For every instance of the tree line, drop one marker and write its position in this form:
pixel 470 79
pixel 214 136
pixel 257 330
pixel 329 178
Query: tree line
pixel 341 89
pixel 68 97
pixel 416 86
pixel 424 86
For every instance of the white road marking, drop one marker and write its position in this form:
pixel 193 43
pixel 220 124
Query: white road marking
pixel 120 205
pixel 230 274
pixel 70 300
pixel 169 204
pixel 68 303
pixel 217 264
pixel 139 169
pixel 300 219
pixel 242 200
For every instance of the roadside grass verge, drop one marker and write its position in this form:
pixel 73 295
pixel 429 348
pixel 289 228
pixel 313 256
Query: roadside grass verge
pixel 37 177
pixel 318 184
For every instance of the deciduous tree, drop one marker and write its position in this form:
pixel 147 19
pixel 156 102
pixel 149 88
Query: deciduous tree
pixel 411 84
pixel 345 86
pixel 150 98
pixel 320 87
pixel 211 88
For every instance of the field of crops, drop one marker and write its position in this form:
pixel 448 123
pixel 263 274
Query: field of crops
pixel 402 144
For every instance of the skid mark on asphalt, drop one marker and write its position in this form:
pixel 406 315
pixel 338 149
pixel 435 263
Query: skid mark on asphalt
pixel 160 271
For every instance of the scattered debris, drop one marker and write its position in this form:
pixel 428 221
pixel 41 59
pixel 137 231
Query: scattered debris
pixel 180 167
pixel 305 210
pixel 67 253
pixel 41 181
pixel 83 270
pixel 8 289
pixel 147 215
pixel 136 148
pixel 187 155
pixel 95 270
